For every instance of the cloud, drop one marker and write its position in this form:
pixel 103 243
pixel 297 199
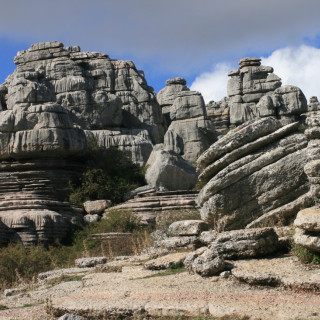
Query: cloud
pixel 213 85
pixel 176 36
pixel 298 66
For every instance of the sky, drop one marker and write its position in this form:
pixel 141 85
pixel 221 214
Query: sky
pixel 200 40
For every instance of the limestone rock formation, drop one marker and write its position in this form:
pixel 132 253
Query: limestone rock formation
pixel 167 95
pixel 255 91
pixel 56 100
pixel 187 228
pixel 168 171
pixel 218 113
pixel 190 132
pixel 253 176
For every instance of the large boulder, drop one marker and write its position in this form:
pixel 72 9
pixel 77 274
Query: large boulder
pixel 253 176
pixel 169 171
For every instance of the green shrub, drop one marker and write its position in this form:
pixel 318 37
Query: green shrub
pixel 109 174
pixel 305 255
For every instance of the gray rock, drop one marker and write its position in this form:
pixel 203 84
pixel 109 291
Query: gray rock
pixel 97 206
pixel 205 262
pixel 90 262
pixel 71 316
pixel 307 240
pixel 187 228
pixel 176 243
pixel 239 244
pixel 252 171
pixel 308 219
pixel 168 171
pixel 187 105
pixel 206 237
pixel 89 218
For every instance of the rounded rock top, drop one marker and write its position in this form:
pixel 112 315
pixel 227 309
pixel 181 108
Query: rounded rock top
pixel 173 81
pixel 250 61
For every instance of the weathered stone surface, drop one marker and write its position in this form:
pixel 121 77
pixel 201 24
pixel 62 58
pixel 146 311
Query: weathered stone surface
pixel 178 243
pixel 204 261
pixel 153 207
pixel 206 237
pixel 90 218
pixel 254 170
pixel 218 113
pixel 90 262
pixel 97 206
pixel 238 244
pixel 166 262
pixel 307 239
pixel 168 171
pixel 187 228
pixel 70 316
pixel 308 219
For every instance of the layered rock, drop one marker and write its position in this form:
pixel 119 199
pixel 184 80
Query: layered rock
pixel 218 113
pixel 56 99
pixel 253 176
pixel 100 93
pixel 190 132
pixel 255 91
pixel 167 95
pixel 307 223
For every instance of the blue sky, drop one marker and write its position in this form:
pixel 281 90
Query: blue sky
pixel 200 40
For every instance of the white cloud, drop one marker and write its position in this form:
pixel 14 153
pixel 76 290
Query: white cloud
pixel 213 85
pixel 298 66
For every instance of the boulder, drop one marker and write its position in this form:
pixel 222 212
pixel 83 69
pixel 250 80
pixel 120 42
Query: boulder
pixel 307 239
pixel 97 206
pixel 187 228
pixel 242 244
pixel 169 171
pixel 308 219
pixel 205 262
pixel 90 218
pixel 90 262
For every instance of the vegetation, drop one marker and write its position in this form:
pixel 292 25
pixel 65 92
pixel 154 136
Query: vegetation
pixel 109 174
pixel 305 255
pixel 22 264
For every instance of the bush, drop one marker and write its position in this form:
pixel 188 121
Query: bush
pixel 305 255
pixel 109 174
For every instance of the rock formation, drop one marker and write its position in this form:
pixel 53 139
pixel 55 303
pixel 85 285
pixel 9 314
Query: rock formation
pixel 253 176
pixel 56 99
pixel 255 91
pixel 307 223
pixel 218 113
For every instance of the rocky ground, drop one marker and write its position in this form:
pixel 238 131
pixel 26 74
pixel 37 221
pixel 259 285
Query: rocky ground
pixel 275 288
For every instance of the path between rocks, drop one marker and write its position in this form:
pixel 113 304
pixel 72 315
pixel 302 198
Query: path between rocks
pixel 132 291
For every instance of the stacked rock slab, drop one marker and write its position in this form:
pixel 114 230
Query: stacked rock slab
pixel 190 132
pixel 218 113
pixel 253 176
pixel 255 91
pixel 307 223
pixel 40 153
pixel 167 95
pixel 100 93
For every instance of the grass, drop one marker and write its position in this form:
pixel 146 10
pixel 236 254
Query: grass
pixel 64 278
pixel 19 264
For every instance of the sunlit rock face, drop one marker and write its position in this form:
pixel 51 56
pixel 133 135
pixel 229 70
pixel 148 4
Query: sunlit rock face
pixel 55 100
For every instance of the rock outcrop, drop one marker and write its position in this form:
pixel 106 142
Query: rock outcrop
pixel 55 101
pixel 253 176
pixel 218 113
pixel 255 91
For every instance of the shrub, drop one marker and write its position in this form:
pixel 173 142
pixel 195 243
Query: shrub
pixel 305 255
pixel 109 174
